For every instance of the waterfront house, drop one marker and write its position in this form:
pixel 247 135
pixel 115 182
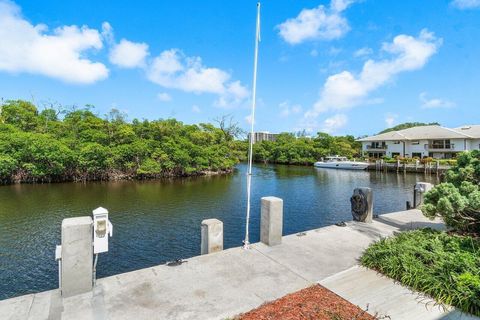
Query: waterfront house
pixel 426 141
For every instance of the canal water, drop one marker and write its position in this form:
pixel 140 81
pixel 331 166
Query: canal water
pixel 159 221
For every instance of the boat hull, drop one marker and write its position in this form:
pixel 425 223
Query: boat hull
pixel 342 165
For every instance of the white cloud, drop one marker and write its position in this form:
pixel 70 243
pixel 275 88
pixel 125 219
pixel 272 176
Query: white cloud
pixel 319 23
pixel 248 119
pixel 333 51
pixel 340 5
pixel 334 123
pixel 234 95
pixel 107 33
pixel 59 54
pixel 434 103
pixel 127 54
pixel 196 109
pixel 163 96
pixel 286 109
pixel 362 52
pixel 172 69
pixel 314 53
pixel 345 90
pixel 390 119
pixel 466 4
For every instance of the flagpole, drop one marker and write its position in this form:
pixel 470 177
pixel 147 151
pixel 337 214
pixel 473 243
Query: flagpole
pixel 246 242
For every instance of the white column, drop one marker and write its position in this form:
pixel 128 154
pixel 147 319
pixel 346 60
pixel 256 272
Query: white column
pixel 271 221
pixel 212 236
pixel 77 256
pixel 420 189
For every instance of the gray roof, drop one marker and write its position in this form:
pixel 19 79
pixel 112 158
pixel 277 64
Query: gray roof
pixel 471 130
pixel 423 132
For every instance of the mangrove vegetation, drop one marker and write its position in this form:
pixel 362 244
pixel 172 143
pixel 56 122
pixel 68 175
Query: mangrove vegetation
pixel 291 149
pixel 40 147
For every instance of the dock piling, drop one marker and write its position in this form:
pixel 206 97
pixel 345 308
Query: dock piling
pixel 419 192
pixel 212 236
pixel 271 225
pixel 76 256
pixel 362 205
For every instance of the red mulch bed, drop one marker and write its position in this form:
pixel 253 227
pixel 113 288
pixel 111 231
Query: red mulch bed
pixel 315 302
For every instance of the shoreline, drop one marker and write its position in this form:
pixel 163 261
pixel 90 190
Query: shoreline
pixel 115 176
pixel 118 176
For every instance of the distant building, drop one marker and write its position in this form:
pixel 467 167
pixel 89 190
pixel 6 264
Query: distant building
pixel 425 141
pixel 263 136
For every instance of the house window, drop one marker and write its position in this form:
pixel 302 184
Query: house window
pixel 441 144
pixel 437 144
pixel 416 155
pixel 377 145
pixel 448 145
pixel 396 142
pixel 376 155
pixel 395 154
pixel 416 142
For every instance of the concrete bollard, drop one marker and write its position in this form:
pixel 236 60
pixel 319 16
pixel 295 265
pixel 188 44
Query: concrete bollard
pixel 271 224
pixel 212 236
pixel 76 256
pixel 419 192
pixel 362 205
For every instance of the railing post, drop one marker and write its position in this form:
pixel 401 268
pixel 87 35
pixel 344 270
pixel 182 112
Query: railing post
pixel 212 236
pixel 76 256
pixel 271 225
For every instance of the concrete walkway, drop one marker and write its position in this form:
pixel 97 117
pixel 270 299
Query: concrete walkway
pixel 384 297
pixel 220 285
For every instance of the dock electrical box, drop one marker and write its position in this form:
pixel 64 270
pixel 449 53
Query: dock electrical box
pixel 102 230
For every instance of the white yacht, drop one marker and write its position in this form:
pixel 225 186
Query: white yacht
pixel 336 162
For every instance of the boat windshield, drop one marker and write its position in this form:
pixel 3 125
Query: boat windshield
pixel 336 159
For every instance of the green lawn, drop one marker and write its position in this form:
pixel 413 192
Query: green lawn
pixel 443 266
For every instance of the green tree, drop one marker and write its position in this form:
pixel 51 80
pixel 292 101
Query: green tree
pixel 8 166
pixel 21 114
pixel 407 125
pixel 457 200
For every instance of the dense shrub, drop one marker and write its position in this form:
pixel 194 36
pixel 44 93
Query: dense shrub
pixel 40 147
pixel 445 267
pixel 289 149
pixel 457 200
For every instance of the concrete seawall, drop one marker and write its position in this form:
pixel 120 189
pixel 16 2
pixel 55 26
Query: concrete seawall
pixel 412 168
pixel 222 284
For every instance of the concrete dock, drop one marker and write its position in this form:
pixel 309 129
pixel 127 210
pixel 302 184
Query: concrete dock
pixel 222 284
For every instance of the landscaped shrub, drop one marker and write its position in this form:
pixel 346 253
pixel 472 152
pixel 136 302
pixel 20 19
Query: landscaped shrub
pixel 457 200
pixel 426 160
pixel 443 266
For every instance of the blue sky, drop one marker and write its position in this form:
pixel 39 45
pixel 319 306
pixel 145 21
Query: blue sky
pixel 340 66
